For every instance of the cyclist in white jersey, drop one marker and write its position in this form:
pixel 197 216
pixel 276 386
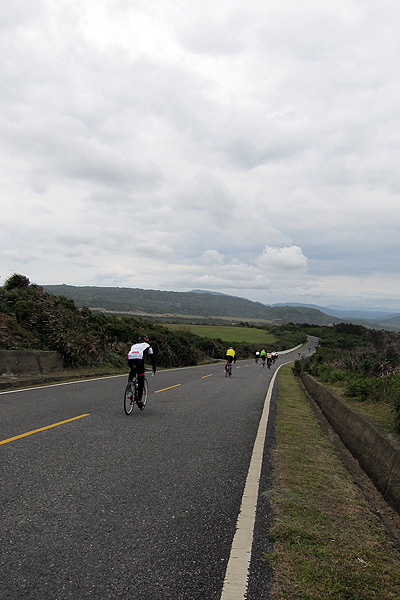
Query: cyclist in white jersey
pixel 136 358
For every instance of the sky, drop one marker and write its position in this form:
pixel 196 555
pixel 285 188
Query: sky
pixel 249 148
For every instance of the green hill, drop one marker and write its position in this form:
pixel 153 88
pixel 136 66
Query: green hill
pixel 194 306
pixel 391 324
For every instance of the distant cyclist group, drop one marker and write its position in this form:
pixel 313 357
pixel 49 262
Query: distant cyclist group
pixel 267 358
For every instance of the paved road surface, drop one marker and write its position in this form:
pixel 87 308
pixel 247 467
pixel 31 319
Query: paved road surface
pixel 141 507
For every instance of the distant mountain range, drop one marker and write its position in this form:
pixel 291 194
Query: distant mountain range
pixel 204 306
pixel 348 313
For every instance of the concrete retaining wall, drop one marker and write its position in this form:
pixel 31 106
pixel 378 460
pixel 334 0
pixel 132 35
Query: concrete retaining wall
pixel 377 451
pixel 26 362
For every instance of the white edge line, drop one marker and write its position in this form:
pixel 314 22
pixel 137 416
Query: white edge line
pixel 237 570
pixel 41 387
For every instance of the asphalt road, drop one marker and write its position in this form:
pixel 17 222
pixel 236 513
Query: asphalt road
pixel 110 506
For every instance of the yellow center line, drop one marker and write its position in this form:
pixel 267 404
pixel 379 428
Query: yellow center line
pixel 207 376
pixel 17 437
pixel 168 388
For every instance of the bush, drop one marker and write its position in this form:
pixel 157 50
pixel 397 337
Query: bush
pixel 298 367
pixel 362 388
pixel 366 361
pixel 16 281
pixel 396 410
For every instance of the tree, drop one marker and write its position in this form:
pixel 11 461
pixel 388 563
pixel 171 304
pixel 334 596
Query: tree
pixel 16 281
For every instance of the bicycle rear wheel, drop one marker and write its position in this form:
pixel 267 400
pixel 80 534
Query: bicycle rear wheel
pixel 129 397
pixel 145 393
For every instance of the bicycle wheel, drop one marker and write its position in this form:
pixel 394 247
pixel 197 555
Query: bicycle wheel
pixel 145 393
pixel 129 397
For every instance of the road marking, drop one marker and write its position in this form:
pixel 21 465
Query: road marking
pixel 17 437
pixel 168 388
pixel 237 570
pixel 204 376
pixel 43 387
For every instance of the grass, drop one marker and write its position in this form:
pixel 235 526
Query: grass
pixel 327 542
pixel 381 412
pixel 226 333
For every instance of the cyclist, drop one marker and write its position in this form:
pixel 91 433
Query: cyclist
pixel 263 356
pixel 136 357
pixel 257 356
pixel 230 358
pixel 269 360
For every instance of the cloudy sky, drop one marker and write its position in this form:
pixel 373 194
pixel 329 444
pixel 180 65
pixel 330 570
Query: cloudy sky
pixel 246 147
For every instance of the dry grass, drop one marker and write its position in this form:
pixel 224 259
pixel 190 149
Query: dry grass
pixel 381 412
pixel 327 542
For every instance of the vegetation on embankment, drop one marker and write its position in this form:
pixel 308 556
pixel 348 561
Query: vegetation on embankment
pixel 328 543
pixel 362 365
pixel 32 319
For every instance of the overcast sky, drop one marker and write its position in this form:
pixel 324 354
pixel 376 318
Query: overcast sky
pixel 246 147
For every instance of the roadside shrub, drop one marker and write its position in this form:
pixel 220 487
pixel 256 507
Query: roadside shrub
pixel 396 410
pixel 213 348
pixel 298 367
pixel 16 281
pixel 362 388
pixel 114 359
pixel 367 362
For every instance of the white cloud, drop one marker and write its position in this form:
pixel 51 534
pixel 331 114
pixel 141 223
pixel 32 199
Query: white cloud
pixel 286 259
pixel 212 257
pixel 248 148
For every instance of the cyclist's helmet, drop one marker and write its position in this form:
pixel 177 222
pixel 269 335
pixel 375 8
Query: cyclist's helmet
pixel 143 338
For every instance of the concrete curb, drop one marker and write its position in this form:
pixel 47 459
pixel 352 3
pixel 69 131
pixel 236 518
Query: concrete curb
pixel 377 451
pixel 25 362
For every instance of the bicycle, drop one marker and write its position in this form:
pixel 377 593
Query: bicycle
pixel 131 394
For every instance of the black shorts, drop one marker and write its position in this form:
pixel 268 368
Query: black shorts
pixel 137 366
pixel 229 357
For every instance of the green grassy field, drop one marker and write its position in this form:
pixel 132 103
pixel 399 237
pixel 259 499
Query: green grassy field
pixel 227 333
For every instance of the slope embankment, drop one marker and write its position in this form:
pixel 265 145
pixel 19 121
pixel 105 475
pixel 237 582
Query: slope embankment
pixel 377 451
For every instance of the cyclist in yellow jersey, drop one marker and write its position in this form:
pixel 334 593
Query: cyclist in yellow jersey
pixel 230 358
